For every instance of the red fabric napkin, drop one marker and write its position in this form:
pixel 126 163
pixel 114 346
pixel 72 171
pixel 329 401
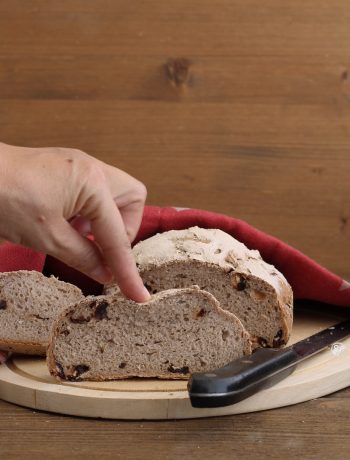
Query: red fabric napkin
pixel 308 279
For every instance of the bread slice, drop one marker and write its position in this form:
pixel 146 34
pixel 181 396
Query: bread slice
pixel 257 293
pixel 177 332
pixel 29 302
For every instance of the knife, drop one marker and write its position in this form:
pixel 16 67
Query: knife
pixel 264 368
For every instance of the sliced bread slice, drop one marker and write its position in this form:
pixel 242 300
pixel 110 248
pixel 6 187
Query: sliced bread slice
pixel 29 302
pixel 177 332
pixel 255 291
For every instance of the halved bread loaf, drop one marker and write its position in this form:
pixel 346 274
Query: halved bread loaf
pixel 256 292
pixel 177 332
pixel 29 303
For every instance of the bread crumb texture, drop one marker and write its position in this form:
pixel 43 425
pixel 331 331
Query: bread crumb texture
pixel 178 332
pixel 29 303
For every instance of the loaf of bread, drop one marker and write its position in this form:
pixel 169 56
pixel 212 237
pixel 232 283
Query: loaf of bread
pixel 177 332
pixel 29 302
pixel 257 293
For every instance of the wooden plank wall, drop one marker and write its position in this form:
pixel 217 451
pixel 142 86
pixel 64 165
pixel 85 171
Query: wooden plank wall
pixel 240 107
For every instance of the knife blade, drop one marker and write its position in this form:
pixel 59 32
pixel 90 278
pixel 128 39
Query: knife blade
pixel 245 376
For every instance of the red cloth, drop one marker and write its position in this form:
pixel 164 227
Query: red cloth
pixel 308 279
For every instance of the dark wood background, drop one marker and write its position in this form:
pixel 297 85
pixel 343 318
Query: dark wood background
pixel 240 107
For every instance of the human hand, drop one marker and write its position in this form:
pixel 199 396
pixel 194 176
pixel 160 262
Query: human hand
pixel 51 198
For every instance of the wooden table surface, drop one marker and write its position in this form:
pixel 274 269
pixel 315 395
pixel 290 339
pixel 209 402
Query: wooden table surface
pixel 235 106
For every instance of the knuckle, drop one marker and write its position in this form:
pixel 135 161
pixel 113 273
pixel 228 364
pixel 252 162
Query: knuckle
pixel 125 244
pixel 140 191
pixel 52 150
pixel 94 174
pixel 79 154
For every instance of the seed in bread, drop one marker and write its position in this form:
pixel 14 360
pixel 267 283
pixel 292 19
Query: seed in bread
pixel 177 332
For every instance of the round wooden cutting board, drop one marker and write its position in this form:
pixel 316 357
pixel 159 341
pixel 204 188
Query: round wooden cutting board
pixel 26 381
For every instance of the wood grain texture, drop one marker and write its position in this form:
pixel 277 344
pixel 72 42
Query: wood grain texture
pixel 318 429
pixel 257 127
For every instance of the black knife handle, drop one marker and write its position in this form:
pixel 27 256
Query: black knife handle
pixel 241 378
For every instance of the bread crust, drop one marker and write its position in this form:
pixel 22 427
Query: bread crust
pixel 214 248
pixel 25 348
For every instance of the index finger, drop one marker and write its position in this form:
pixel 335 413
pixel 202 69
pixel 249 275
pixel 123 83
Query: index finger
pixel 108 228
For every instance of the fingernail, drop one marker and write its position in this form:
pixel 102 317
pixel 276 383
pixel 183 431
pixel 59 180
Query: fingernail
pixel 102 274
pixel 146 294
